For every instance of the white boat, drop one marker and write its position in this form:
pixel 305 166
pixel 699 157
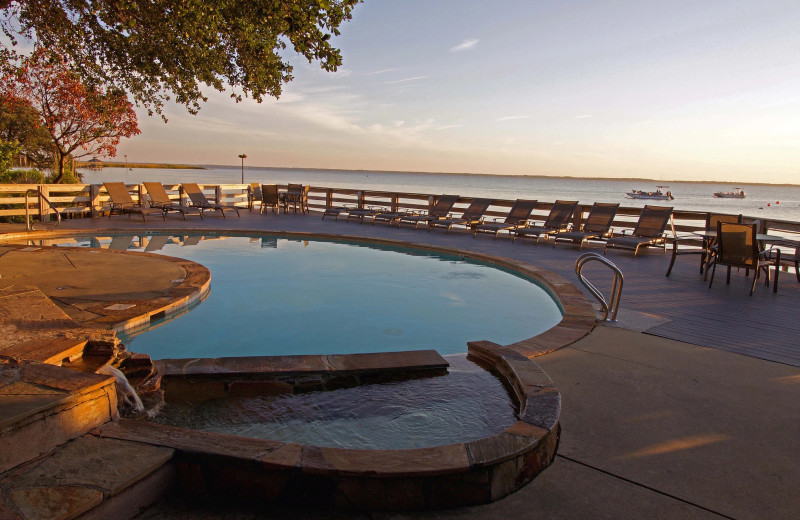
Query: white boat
pixel 659 194
pixel 737 193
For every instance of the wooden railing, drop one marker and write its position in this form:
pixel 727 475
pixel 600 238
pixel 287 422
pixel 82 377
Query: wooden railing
pixel 92 199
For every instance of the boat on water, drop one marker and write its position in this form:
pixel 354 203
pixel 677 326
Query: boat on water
pixel 659 194
pixel 737 193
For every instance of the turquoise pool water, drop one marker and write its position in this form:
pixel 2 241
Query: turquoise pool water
pixel 274 296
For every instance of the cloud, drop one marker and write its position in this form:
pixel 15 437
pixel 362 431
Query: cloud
pixel 404 80
pixel 465 45
pixel 382 71
pixel 512 118
pixel 584 116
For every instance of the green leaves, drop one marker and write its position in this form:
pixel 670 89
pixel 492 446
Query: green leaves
pixel 159 49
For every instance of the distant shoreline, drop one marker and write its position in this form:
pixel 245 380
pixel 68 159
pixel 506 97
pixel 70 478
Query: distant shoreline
pixel 454 174
pixel 165 166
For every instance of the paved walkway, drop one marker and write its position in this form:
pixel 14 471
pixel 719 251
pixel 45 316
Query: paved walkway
pixel 655 424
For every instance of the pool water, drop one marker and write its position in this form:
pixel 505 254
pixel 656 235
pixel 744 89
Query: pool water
pixel 467 404
pixel 277 296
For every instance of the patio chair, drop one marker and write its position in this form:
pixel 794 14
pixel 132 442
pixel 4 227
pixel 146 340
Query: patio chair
pixel 254 196
pixel 121 202
pixel 198 200
pixel 558 220
pixel 649 230
pixel 596 227
pixel 439 210
pixel 737 246
pixel 160 199
pixel 706 243
pixel 517 216
pixel 471 217
pixel 296 195
pixel 270 198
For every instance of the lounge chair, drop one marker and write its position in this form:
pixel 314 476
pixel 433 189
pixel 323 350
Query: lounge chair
pixel 517 216
pixel 472 216
pixel 439 210
pixel 122 202
pixel 361 213
pixel 596 227
pixel 737 246
pixel 392 217
pixel 704 249
pixel 270 198
pixel 199 200
pixel 649 230
pixel 160 199
pixel 558 220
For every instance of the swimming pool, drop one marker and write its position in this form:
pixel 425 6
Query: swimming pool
pixel 275 296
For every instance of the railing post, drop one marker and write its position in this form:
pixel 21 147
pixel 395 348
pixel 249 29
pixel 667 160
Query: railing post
pixel 395 203
pixel 360 199
pixel 43 211
pixel 94 200
pixel 431 202
pixel 218 194
pixel 328 197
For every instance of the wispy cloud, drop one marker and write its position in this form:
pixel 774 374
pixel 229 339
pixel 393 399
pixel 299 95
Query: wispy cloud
pixel 382 71
pixel 447 127
pixel 465 45
pixel 584 116
pixel 404 80
pixel 512 118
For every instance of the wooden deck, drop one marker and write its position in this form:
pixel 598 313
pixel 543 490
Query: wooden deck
pixel 725 317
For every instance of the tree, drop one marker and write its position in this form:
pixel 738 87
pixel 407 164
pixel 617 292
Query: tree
pixel 20 123
pixel 80 120
pixel 157 48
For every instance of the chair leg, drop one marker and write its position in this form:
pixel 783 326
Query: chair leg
pixel 713 271
pixel 672 261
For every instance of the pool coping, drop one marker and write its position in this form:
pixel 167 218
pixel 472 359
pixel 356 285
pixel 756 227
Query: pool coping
pixel 453 475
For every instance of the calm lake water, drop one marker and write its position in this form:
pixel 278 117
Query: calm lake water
pixel 763 201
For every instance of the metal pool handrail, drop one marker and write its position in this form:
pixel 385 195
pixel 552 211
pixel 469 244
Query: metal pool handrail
pixel 28 223
pixel 616 288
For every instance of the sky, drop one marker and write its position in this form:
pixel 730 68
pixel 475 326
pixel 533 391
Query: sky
pixel 667 90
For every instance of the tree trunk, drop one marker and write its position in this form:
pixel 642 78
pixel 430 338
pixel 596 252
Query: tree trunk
pixel 60 167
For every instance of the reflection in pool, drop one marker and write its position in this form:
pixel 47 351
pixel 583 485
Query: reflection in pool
pixel 274 296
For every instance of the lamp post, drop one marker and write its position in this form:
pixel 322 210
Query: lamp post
pixel 126 162
pixel 242 157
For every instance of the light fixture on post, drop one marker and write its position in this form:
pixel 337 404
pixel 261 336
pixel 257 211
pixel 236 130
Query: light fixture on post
pixel 242 157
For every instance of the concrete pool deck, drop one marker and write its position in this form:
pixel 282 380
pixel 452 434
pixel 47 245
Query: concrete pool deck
pixel 652 427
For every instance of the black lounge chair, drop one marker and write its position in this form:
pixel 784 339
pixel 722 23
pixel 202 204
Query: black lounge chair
pixel 439 210
pixel 737 246
pixel 558 220
pixel 160 199
pixel 695 245
pixel 392 217
pixel 199 200
pixel 649 230
pixel 596 227
pixel 122 203
pixel 361 213
pixel 472 216
pixel 518 215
